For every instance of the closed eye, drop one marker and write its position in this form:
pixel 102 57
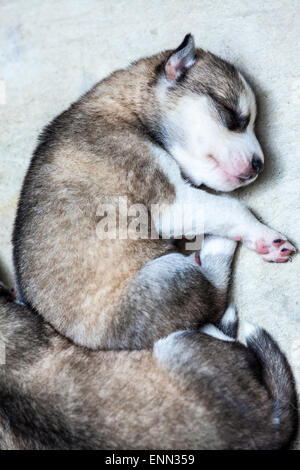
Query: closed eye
pixel 233 120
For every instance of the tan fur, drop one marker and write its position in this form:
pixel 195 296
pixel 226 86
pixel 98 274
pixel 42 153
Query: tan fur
pixel 70 262
pixel 112 143
pixel 97 149
pixel 194 391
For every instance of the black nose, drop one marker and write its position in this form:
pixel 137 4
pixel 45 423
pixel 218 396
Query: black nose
pixel 257 164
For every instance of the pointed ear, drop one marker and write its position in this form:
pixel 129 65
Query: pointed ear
pixel 181 59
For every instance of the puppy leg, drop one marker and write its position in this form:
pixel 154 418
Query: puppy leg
pixel 236 222
pixel 174 292
pixel 228 217
pixel 215 260
pixel 168 294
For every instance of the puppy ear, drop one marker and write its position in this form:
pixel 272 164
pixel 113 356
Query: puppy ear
pixel 181 59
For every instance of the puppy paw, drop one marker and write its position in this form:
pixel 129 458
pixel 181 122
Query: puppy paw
pixel 274 248
pixel 216 246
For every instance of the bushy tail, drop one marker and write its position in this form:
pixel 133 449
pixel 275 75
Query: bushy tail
pixel 279 381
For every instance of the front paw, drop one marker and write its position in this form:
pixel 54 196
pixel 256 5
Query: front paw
pixel 274 248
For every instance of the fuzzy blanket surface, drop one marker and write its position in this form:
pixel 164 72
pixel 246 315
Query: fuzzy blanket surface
pixel 53 51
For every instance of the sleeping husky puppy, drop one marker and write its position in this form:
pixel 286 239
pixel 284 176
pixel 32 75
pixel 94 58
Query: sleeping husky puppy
pixel 197 389
pixel 151 134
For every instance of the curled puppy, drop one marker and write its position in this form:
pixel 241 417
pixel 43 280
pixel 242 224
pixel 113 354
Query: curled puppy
pixel 196 390
pixel 144 138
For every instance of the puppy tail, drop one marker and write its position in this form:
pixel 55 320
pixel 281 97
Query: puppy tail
pixel 278 379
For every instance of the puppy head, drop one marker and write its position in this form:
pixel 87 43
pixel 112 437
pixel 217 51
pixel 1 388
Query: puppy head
pixel 207 114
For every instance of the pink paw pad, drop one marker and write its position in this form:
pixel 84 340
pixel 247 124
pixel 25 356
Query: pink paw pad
pixel 274 248
pixel 280 255
pixel 261 247
pixel 276 260
pixel 286 251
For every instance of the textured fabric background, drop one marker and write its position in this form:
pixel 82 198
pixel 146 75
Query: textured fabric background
pixel 54 50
